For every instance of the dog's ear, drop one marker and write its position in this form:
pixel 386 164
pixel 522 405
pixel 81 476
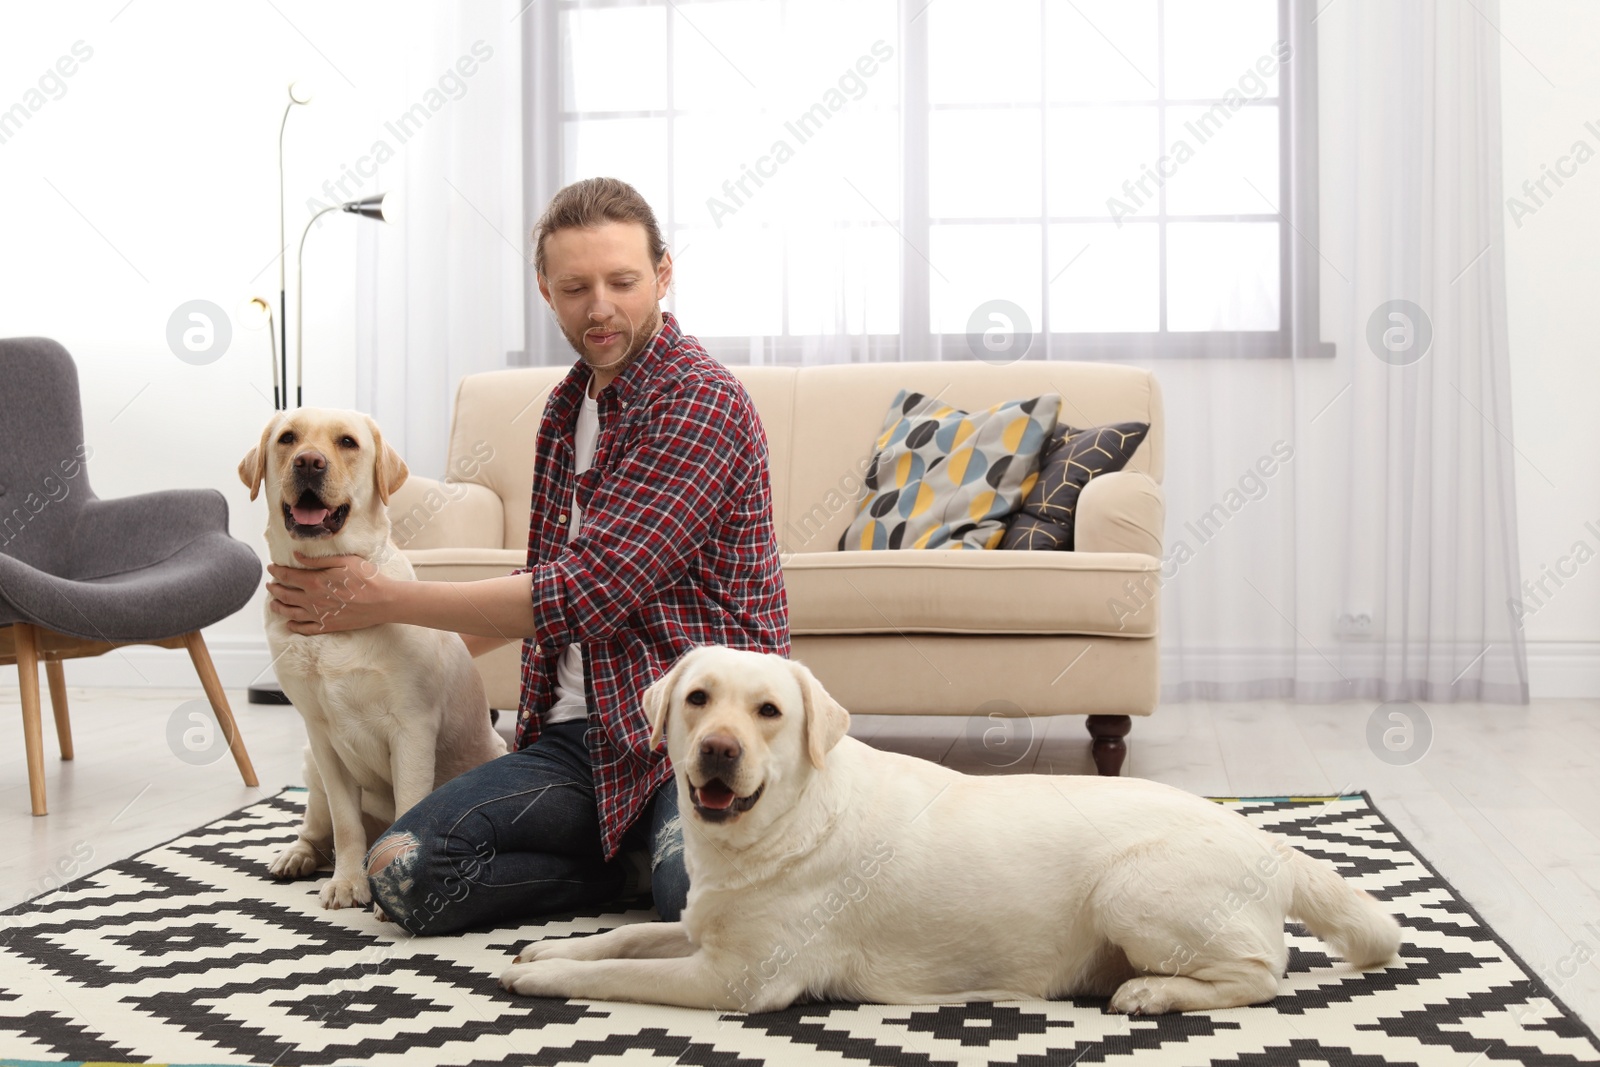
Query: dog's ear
pixel 253 467
pixel 389 470
pixel 657 698
pixel 826 719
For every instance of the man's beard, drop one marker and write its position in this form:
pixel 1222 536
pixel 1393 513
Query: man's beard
pixel 636 343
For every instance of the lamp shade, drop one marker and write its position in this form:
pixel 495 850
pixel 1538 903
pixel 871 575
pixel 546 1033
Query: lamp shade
pixel 255 312
pixel 370 206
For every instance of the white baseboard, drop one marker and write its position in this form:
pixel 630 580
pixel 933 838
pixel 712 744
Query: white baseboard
pixel 1556 669
pixel 1559 670
pixel 240 662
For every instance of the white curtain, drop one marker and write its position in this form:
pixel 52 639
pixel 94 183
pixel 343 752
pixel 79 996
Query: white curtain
pixel 1315 271
pixel 1419 456
pixel 1342 525
pixel 440 291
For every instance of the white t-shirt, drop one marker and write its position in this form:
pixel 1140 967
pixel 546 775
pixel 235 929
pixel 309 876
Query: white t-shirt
pixel 570 702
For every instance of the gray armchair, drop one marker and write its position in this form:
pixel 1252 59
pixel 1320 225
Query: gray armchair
pixel 81 576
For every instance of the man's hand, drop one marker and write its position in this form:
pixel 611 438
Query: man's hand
pixel 331 593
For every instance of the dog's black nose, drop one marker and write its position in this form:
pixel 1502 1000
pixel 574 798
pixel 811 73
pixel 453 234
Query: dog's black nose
pixel 720 746
pixel 719 756
pixel 310 462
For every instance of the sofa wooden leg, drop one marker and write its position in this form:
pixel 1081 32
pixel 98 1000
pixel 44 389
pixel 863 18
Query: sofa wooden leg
pixel 1108 746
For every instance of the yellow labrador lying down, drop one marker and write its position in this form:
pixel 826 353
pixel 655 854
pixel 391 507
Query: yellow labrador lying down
pixel 391 711
pixel 822 868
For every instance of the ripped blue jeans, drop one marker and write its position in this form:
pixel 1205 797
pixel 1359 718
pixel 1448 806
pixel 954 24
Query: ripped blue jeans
pixel 518 838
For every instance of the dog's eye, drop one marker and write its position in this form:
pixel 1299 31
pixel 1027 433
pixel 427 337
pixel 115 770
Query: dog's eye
pixel 286 438
pixel 696 697
pixel 768 711
pixel 348 442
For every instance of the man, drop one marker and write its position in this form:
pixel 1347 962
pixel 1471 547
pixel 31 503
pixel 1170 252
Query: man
pixel 651 532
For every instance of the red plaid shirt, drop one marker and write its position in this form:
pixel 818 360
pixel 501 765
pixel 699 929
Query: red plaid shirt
pixel 676 549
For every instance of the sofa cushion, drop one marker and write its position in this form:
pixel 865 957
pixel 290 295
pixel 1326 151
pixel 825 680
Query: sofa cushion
pixel 945 478
pixel 1107 593
pixel 1070 459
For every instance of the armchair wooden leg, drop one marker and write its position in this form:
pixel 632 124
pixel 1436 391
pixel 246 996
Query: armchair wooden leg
pixel 27 640
pixel 1108 747
pixel 219 703
pixel 58 704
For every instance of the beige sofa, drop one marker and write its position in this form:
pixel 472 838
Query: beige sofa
pixel 1022 633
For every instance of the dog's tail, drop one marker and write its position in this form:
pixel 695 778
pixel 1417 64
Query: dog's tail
pixel 1347 918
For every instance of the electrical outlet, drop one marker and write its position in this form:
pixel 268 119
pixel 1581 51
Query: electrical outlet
pixel 1356 624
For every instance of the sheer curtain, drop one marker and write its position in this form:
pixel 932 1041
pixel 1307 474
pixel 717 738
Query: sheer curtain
pixel 1425 489
pixel 440 290
pixel 1291 217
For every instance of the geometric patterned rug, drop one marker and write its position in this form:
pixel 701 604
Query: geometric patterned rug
pixel 190 954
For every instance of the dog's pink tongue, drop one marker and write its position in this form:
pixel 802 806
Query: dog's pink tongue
pixel 715 795
pixel 308 516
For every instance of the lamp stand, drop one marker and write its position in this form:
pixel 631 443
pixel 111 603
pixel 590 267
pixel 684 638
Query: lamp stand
pixel 271 692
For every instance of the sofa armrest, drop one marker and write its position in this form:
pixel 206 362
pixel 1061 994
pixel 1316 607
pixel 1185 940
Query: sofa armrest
pixel 430 514
pixel 452 564
pixel 1124 511
pixel 501 670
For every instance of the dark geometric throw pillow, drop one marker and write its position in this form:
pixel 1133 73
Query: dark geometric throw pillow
pixel 1071 458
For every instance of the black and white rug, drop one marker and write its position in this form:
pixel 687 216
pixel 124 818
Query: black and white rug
pixel 189 954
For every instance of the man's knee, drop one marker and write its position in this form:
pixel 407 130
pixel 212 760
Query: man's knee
pixel 423 887
pixel 401 847
pixel 392 876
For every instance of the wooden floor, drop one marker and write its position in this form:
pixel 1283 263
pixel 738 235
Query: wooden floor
pixel 1505 803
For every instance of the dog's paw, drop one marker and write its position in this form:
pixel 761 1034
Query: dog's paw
pixel 1142 996
pixel 381 915
pixel 566 948
pixel 343 892
pixel 544 978
pixel 299 860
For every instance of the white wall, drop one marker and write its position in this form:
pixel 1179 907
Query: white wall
pixel 1550 86
pixel 148 178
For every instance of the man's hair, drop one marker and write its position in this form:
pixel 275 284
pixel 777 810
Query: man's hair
pixel 590 202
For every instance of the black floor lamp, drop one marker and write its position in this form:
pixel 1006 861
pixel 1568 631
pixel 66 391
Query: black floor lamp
pixel 371 207
pixel 270 692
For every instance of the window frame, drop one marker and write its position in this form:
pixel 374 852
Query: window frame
pixel 1299 273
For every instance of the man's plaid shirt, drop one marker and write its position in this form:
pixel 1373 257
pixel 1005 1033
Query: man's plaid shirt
pixel 676 549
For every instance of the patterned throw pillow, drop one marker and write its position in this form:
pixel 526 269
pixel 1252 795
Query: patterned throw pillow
pixel 1070 460
pixel 943 478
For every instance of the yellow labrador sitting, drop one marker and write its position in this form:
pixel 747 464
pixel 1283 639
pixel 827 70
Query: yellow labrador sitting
pixel 820 867
pixel 391 711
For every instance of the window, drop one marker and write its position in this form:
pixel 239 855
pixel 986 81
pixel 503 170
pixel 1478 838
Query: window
pixel 1113 178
